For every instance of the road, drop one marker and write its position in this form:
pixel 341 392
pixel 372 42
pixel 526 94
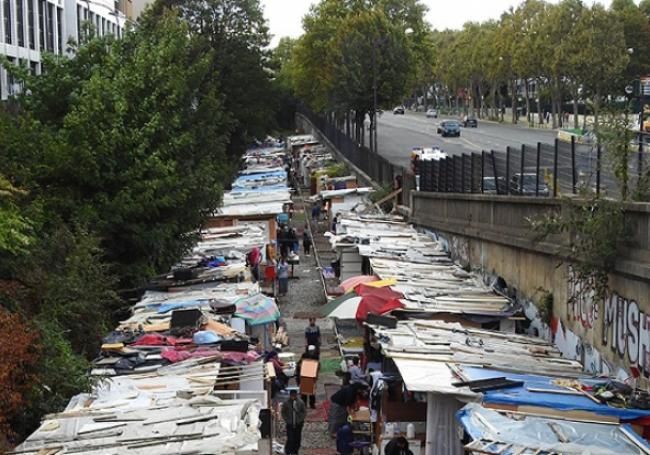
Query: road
pixel 398 134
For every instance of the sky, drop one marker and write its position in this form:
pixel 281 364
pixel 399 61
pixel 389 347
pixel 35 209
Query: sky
pixel 285 16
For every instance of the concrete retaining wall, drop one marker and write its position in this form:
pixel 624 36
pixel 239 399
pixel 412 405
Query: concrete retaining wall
pixel 492 234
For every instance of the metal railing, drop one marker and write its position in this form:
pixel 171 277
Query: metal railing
pixel 544 170
pixel 378 168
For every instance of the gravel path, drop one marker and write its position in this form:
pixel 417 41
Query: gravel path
pixel 303 300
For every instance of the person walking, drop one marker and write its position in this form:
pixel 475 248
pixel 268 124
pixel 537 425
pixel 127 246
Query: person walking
pixel 312 335
pixel 309 354
pixel 283 276
pixel 253 259
pixel 293 413
pixel 306 241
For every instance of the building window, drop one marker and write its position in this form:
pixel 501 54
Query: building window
pixel 41 24
pixel 10 78
pixel 50 27
pixel 7 13
pixel 30 24
pixel 59 28
pixel 20 22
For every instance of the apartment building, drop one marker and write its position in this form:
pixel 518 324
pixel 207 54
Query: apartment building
pixel 28 28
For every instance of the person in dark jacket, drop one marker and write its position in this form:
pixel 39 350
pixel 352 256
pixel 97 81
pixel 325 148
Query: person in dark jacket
pixel 341 404
pixel 398 446
pixel 306 241
pixel 293 413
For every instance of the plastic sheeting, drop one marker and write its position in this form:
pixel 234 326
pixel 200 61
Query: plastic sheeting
pixel 520 396
pixel 442 427
pixel 539 433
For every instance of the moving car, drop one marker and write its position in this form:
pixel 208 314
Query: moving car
pixel 526 185
pixel 399 110
pixel 432 113
pixel 470 122
pixel 449 128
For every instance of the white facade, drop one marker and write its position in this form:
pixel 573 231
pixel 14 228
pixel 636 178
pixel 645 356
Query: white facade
pixel 30 27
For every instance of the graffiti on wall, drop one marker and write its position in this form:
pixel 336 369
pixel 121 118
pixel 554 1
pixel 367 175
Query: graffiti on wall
pixel 626 330
pixel 582 306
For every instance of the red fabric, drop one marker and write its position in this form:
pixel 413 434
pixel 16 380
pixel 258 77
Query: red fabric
pixel 178 355
pixel 376 300
pixel 386 292
pixel 376 305
pixel 155 339
pixel 269 272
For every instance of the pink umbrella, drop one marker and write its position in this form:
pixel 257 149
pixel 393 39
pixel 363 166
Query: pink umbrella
pixel 352 282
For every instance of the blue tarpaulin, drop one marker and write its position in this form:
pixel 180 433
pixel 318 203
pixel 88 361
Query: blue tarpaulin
pixel 542 433
pixel 520 396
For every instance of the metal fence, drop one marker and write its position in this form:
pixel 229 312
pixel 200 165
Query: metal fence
pixel 378 168
pixel 542 170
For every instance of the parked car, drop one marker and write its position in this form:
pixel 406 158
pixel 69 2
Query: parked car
pixel 490 185
pixel 449 128
pixel 470 122
pixel 432 113
pixel 399 110
pixel 526 185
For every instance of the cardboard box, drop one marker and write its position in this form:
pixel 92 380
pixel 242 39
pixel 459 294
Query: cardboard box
pixel 308 376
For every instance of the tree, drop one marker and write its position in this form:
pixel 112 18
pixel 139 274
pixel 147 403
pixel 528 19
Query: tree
pixel 234 34
pixel 15 229
pixel 600 57
pixel 18 359
pixel 138 155
pixel 636 28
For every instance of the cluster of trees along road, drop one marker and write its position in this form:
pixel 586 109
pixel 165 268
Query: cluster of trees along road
pixel 558 57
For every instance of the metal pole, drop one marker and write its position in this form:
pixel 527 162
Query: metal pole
pixel 374 95
pixel 598 157
pixel 539 152
pixel 494 170
pixel 573 163
pixel 640 155
pixel 557 150
pixel 483 171
pixel 462 173
pixel 523 157
pixel 471 173
pixel 508 170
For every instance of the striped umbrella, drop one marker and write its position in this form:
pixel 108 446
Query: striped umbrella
pixel 257 309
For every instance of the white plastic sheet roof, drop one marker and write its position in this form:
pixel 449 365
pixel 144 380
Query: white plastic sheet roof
pixel 426 376
pixel 206 425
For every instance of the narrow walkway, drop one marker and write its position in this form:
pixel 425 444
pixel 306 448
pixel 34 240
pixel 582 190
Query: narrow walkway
pixel 304 300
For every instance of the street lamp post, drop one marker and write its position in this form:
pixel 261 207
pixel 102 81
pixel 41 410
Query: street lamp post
pixel 373 117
